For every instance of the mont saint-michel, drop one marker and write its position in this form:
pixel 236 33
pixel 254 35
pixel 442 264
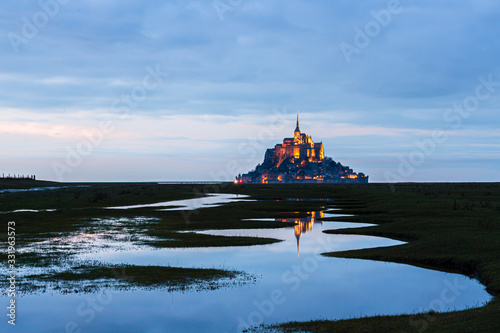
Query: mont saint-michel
pixel 300 160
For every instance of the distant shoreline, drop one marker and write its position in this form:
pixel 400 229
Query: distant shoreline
pixel 27 183
pixel 13 183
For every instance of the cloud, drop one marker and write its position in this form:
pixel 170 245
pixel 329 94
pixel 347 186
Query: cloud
pixel 226 77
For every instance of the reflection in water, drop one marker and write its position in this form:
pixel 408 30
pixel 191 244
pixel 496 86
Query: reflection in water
pixel 303 224
pixel 313 286
pixel 208 201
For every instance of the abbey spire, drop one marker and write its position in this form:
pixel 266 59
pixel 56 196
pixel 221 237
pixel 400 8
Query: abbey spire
pixel 297 128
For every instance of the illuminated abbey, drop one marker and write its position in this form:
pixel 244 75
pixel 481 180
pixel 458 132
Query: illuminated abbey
pixel 300 147
pixel 300 160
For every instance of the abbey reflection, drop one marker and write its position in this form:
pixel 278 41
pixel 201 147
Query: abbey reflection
pixel 303 224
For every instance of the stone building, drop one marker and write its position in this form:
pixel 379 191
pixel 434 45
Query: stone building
pixel 300 147
pixel 300 160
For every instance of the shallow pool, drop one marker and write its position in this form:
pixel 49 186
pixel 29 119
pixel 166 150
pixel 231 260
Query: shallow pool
pixel 295 283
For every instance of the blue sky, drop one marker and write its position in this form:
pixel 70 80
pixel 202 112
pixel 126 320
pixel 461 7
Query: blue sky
pixel 197 90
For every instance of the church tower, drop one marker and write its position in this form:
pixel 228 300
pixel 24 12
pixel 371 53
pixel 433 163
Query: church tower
pixel 297 129
pixel 296 133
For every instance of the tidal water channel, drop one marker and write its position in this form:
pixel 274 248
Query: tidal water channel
pixel 294 283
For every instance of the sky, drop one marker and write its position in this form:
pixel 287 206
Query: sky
pixel 108 90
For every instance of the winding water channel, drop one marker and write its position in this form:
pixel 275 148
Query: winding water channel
pixel 295 283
